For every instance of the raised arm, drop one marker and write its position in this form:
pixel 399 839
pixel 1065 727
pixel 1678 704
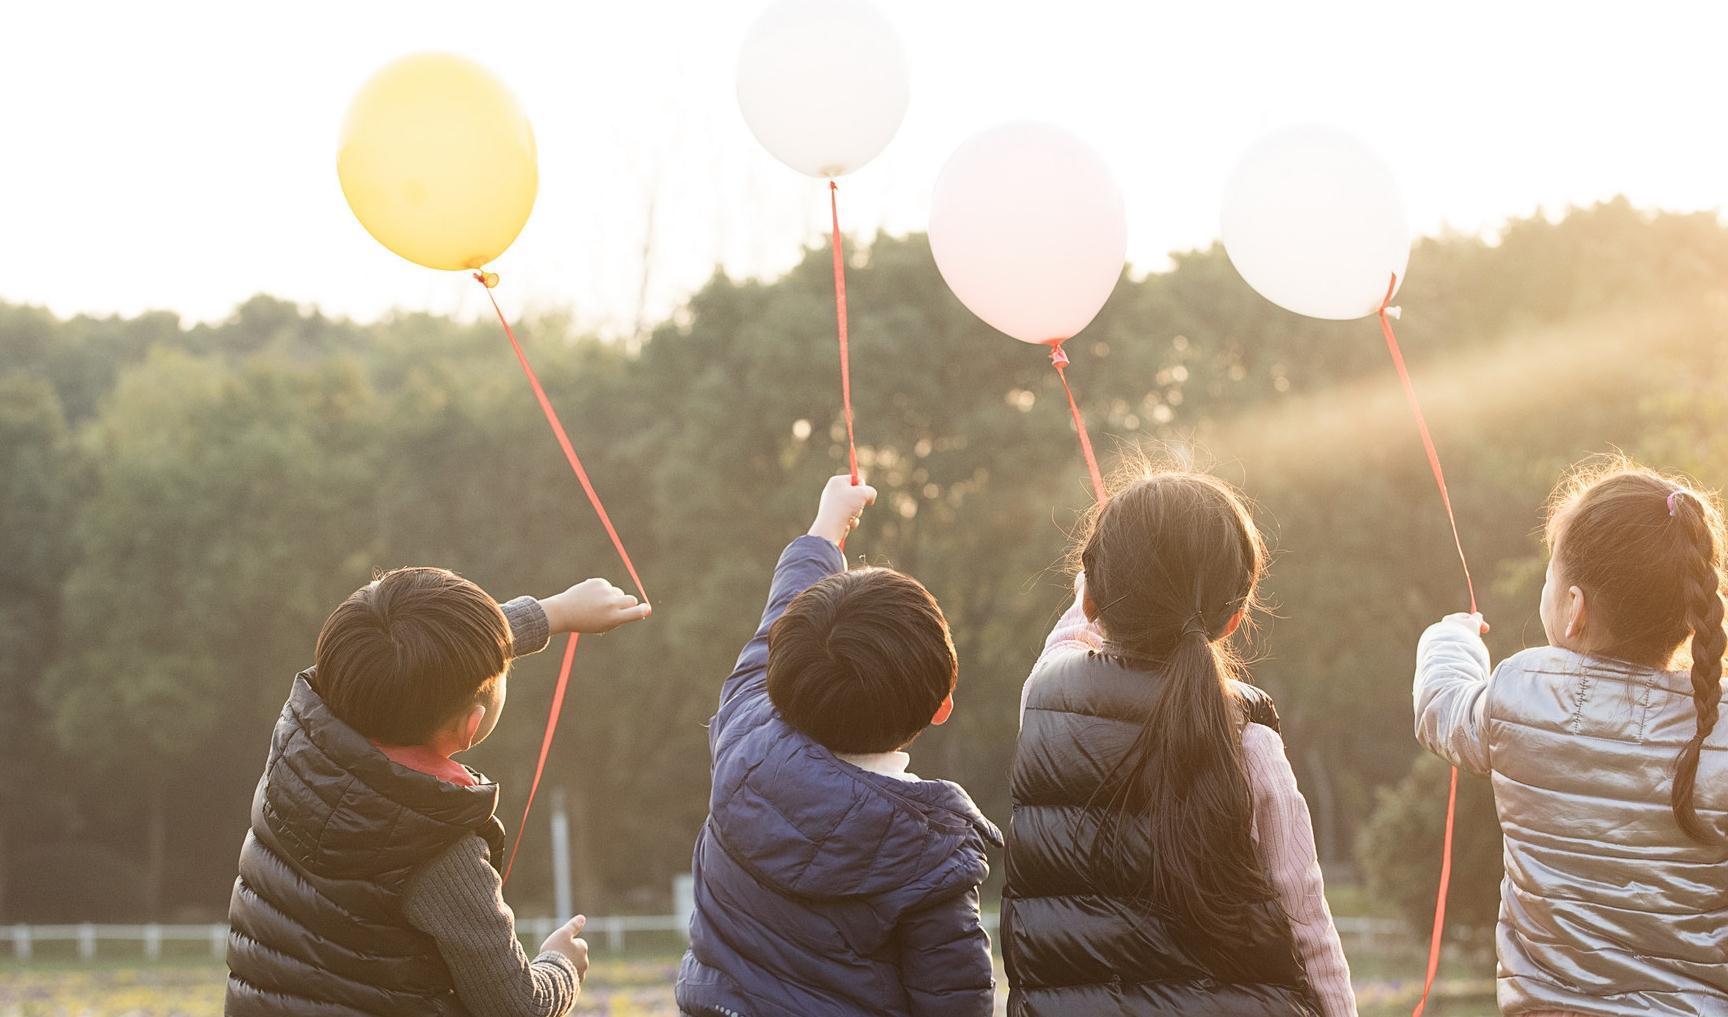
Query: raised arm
pixel 593 606
pixel 529 629
pixel 1451 692
pixel 805 562
pixel 1073 631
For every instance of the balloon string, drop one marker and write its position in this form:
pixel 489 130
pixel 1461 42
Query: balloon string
pixel 1440 897
pixel 1435 937
pixel 487 281
pixel 545 746
pixel 1059 360
pixel 1427 438
pixel 840 317
pixel 564 443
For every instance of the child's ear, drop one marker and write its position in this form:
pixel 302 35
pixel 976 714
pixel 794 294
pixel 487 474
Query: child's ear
pixel 943 712
pixel 1088 605
pixel 1234 622
pixel 471 725
pixel 1576 612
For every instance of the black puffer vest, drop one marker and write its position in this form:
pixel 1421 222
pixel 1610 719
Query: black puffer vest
pixel 337 830
pixel 1072 950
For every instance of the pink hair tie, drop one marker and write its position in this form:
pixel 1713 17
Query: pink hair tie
pixel 1672 503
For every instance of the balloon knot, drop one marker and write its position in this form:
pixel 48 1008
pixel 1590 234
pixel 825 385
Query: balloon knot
pixel 1391 288
pixel 1393 312
pixel 487 279
pixel 1057 357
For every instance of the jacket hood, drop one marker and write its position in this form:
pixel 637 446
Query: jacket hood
pixel 786 809
pixel 340 807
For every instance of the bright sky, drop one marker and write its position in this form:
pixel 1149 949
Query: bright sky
pixel 181 154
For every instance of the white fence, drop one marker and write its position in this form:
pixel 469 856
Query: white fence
pixel 24 938
pixel 21 941
pixel 1358 934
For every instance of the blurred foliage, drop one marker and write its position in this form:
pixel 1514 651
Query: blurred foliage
pixel 180 506
pixel 1400 848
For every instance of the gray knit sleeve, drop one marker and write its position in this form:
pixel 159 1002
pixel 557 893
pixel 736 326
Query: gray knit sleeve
pixel 458 900
pixel 529 631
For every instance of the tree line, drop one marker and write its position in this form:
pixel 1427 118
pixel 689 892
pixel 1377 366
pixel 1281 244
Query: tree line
pixel 181 505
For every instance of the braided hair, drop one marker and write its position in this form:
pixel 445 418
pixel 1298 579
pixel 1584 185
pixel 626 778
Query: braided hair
pixel 1648 550
pixel 1703 594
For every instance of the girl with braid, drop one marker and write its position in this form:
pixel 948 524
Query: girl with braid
pixel 1609 766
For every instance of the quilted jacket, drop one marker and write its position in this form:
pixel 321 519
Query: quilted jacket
pixel 337 830
pixel 821 889
pixel 1080 938
pixel 1606 908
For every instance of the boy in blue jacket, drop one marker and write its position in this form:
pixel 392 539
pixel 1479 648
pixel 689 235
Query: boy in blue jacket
pixel 829 880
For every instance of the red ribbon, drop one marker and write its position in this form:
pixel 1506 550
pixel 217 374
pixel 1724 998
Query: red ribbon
pixel 1427 439
pixel 1059 360
pixel 1440 900
pixel 545 745
pixel 487 280
pixel 1446 501
pixel 840 317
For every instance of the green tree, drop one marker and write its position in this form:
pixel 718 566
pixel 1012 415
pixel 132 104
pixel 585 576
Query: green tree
pixel 226 508
pixel 1401 844
pixel 38 484
pixel 213 490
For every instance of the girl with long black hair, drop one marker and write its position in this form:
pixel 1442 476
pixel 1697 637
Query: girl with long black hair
pixel 1161 859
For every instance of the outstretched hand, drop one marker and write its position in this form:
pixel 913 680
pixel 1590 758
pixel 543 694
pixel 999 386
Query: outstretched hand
pixel 565 940
pixel 1473 622
pixel 593 606
pixel 843 504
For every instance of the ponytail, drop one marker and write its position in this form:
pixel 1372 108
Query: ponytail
pixel 1202 856
pixel 1169 562
pixel 1703 590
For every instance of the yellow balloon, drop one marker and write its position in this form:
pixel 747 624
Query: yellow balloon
pixel 437 161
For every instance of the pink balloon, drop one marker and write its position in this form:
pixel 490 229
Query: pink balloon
pixel 1028 230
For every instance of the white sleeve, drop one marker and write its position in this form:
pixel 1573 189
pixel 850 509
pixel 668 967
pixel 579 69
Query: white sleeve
pixel 1284 837
pixel 1072 632
pixel 1451 695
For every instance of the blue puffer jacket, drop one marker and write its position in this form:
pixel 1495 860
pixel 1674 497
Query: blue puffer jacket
pixel 824 890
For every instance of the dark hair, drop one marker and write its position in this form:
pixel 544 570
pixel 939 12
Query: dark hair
pixel 1647 551
pixel 861 661
pixel 405 654
pixel 1170 559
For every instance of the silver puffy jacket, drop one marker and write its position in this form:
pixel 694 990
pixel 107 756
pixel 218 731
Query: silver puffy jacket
pixel 1606 907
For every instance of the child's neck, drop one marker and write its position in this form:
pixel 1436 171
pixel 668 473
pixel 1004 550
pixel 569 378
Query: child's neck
pixel 1585 648
pixel 432 759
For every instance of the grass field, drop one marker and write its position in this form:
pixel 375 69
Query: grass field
pixel 631 986
pixel 635 978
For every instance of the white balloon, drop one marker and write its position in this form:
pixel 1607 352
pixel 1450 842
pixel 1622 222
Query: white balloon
pixel 1029 231
pixel 823 84
pixel 1314 221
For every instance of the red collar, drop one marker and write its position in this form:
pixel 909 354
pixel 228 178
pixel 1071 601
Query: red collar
pixel 424 760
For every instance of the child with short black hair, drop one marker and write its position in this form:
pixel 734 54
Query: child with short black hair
pixel 1609 765
pixel 862 662
pixel 368 882
pixel 830 880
